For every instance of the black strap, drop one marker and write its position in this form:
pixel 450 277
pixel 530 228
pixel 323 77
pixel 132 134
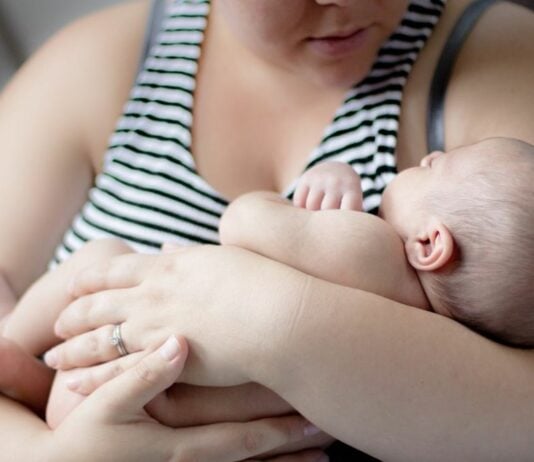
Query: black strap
pixel 435 124
pixel 157 13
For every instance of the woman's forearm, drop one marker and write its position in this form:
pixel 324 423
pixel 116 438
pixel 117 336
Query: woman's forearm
pixel 401 383
pixel 397 382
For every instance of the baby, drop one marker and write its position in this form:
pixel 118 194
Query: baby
pixel 465 221
pixel 441 244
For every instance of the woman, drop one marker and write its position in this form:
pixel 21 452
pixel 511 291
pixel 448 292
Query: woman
pixel 281 65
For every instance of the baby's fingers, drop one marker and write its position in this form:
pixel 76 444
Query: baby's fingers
pixel 331 201
pixel 315 199
pixel 351 200
pixel 301 195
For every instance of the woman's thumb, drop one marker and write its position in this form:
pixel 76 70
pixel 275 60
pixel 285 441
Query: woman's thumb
pixel 136 387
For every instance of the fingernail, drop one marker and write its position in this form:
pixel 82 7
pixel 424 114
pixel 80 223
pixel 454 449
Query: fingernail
pixel 50 358
pixel 310 430
pixel 73 384
pixel 170 349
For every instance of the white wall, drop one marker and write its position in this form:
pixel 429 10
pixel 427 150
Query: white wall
pixel 32 21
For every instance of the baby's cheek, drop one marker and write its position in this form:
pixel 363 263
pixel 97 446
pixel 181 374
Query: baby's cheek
pixel 61 400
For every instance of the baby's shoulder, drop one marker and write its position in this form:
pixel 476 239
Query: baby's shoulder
pixel 366 236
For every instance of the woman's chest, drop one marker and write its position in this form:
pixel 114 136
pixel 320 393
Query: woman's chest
pixel 243 140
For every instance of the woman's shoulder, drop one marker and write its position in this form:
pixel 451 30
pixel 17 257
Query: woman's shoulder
pixel 107 46
pixel 89 67
pixel 492 77
pixel 490 93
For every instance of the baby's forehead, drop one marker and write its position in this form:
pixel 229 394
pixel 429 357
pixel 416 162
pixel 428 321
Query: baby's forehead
pixel 494 153
pixel 502 147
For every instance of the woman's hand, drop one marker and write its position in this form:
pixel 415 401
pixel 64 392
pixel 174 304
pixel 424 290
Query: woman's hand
pixel 187 405
pixel 112 425
pixel 201 292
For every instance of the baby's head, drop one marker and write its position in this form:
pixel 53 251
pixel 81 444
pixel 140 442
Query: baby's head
pixel 467 220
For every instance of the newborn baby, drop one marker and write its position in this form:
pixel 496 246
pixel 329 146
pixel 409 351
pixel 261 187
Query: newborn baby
pixel 465 221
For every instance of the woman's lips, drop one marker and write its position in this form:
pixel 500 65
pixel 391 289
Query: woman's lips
pixel 335 46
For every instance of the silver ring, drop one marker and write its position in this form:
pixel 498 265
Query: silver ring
pixel 117 341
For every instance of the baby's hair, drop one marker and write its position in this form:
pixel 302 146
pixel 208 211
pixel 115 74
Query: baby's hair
pixel 489 286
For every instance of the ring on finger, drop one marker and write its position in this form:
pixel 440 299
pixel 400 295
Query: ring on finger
pixel 117 341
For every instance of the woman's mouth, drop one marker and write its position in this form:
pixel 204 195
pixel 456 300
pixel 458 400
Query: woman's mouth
pixel 340 44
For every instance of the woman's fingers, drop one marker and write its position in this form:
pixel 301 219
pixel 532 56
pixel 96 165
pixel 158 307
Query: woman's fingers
pixel 185 405
pixel 304 456
pixel 116 273
pixel 230 442
pixel 123 398
pixel 127 394
pixel 92 311
pixel 86 381
pixel 88 349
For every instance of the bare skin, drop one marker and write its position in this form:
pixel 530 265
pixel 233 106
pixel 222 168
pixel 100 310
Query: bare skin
pixel 88 117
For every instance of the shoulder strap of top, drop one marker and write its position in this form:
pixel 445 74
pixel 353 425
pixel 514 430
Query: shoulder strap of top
pixel 157 13
pixel 435 125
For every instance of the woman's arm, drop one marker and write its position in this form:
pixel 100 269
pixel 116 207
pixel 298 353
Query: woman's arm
pixel 490 92
pixel 55 118
pixel 397 382
pixel 48 137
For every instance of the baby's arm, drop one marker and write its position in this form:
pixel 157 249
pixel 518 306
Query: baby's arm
pixel 346 247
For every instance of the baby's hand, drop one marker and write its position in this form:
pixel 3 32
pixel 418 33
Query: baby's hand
pixel 330 185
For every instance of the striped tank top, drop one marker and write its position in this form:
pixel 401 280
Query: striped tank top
pixel 150 192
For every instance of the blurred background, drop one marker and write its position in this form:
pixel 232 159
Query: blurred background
pixel 26 24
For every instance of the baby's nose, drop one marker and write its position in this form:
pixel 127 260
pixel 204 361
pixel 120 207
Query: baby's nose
pixel 427 160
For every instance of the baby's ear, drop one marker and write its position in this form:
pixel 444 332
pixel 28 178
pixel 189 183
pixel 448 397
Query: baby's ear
pixel 431 249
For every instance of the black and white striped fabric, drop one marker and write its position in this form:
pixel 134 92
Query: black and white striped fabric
pixel 150 192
